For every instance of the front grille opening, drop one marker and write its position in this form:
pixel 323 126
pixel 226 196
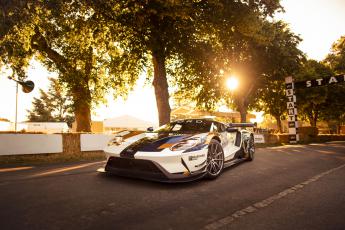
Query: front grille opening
pixel 133 164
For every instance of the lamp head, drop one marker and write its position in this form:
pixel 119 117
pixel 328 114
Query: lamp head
pixel 27 86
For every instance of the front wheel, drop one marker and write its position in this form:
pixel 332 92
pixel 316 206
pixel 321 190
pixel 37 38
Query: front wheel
pixel 215 160
pixel 250 149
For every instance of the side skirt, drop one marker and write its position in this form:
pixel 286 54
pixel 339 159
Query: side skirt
pixel 233 162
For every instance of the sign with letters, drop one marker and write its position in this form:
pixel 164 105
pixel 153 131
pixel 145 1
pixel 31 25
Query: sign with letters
pixel 292 110
pixel 320 82
pixel 291 102
pixel 259 138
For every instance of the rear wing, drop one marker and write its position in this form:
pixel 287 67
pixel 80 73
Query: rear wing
pixel 242 125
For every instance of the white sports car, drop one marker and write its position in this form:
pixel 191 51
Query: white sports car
pixel 180 151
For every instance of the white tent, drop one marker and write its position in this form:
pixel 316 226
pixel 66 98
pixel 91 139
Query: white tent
pixel 127 122
pixel 45 127
pixel 5 126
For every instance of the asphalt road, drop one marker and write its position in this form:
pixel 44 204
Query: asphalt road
pixel 290 187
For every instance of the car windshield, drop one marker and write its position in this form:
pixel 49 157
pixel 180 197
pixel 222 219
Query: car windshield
pixel 186 126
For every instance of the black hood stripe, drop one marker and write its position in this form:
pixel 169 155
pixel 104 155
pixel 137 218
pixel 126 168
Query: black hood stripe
pixel 151 144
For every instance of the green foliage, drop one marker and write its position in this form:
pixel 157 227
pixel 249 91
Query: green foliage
pixel 186 37
pixel 281 59
pixel 76 43
pixel 336 59
pixel 310 101
pixel 98 45
pixel 261 56
pixel 54 105
pixel 334 107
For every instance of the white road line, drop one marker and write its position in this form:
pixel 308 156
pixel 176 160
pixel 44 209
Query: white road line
pixel 264 203
pixel 65 169
pixel 326 152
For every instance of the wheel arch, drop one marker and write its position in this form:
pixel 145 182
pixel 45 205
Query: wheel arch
pixel 217 139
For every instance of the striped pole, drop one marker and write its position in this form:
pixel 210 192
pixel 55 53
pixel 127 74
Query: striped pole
pixel 292 110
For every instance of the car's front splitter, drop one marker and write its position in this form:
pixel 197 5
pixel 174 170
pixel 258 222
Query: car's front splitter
pixel 146 169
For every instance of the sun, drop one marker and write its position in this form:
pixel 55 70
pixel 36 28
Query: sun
pixel 232 83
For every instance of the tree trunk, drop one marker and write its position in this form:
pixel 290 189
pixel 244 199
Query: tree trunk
pixel 83 117
pixel 243 115
pixel 316 117
pixel 81 93
pixel 160 85
pixel 279 124
pixel 242 107
pixel 82 109
pixel 313 117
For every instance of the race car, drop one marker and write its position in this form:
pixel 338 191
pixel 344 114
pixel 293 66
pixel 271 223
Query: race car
pixel 180 151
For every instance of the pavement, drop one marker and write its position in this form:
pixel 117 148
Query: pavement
pixel 287 187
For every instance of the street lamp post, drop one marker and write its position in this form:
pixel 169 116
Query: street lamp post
pixel 27 87
pixel 15 121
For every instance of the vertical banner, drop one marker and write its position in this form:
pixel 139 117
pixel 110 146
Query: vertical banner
pixel 292 110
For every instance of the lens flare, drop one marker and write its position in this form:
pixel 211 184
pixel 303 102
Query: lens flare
pixel 232 83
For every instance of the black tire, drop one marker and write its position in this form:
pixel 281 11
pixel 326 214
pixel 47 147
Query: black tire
pixel 215 160
pixel 250 149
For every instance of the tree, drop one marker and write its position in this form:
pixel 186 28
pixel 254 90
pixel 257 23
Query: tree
pixel 334 107
pixel 261 59
pixel 168 32
pixel 54 105
pixel 310 101
pixel 41 112
pixel 323 103
pixel 336 59
pixel 272 100
pixel 76 44
pixel 282 59
pixel 123 36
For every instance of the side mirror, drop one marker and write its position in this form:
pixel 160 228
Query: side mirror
pixel 149 129
pixel 231 130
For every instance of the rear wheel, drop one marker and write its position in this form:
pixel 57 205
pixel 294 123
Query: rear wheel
pixel 215 160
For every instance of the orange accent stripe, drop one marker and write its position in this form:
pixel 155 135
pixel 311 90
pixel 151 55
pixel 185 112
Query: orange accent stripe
pixel 166 145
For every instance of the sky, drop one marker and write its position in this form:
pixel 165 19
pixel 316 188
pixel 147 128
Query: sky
pixel 318 22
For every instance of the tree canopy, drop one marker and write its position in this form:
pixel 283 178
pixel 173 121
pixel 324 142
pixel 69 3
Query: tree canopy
pixel 179 37
pixel 189 46
pixel 259 60
pixel 311 100
pixel 76 43
pixel 334 107
pixel 336 58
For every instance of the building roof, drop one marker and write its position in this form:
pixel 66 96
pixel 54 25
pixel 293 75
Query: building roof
pixel 127 121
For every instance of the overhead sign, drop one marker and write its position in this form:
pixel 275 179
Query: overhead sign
pixel 320 81
pixel 291 103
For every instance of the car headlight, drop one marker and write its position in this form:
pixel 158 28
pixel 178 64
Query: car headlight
pixel 188 143
pixel 115 141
